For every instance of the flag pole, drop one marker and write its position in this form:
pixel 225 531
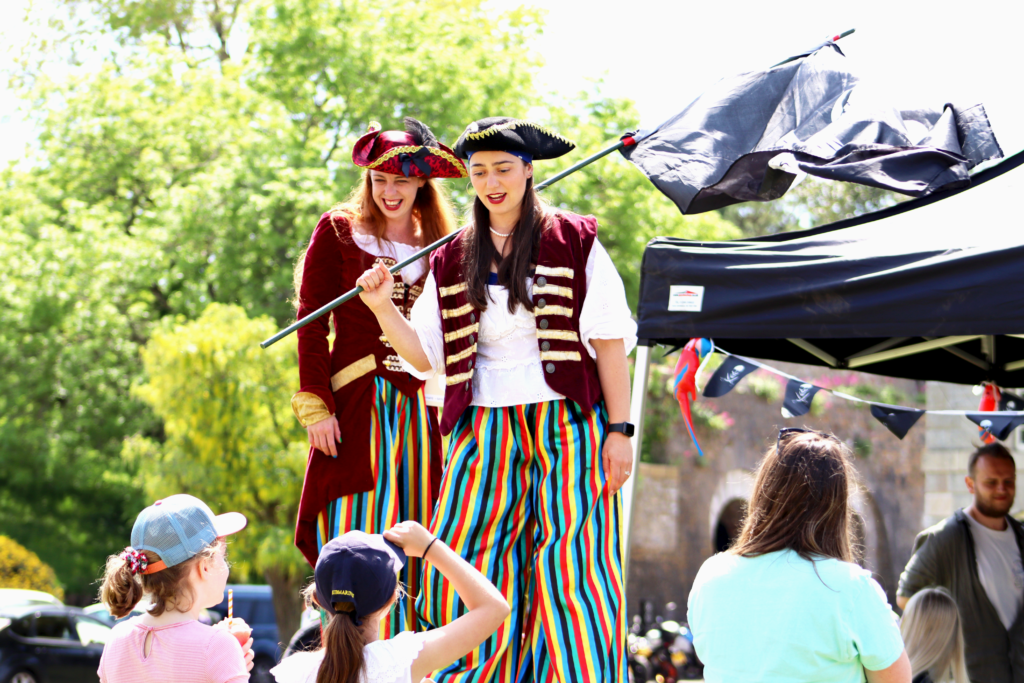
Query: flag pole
pixel 626 141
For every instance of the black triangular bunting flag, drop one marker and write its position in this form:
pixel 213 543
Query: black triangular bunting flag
pixel 1008 401
pixel 999 426
pixel 727 376
pixel 799 395
pixel 897 420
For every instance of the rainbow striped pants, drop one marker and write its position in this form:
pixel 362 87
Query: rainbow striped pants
pixel 399 455
pixel 523 498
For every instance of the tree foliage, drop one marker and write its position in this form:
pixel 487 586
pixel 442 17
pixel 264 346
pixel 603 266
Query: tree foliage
pixel 22 568
pixel 230 437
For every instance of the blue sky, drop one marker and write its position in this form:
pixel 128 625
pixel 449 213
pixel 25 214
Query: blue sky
pixel 662 53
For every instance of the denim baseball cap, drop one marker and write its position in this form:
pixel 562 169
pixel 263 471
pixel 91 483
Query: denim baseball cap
pixel 179 527
pixel 359 568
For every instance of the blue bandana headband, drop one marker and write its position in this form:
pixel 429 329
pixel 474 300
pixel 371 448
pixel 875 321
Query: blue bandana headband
pixel 527 158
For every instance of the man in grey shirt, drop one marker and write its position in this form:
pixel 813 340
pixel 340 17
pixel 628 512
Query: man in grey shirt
pixel 976 555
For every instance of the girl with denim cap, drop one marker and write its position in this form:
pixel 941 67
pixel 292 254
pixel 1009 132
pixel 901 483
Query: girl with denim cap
pixel 177 557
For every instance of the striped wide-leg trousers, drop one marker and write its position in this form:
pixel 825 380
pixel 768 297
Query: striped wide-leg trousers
pixel 400 458
pixel 524 499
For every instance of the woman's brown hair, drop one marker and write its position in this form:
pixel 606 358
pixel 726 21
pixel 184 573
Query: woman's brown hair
pixel 432 211
pixel 800 500
pixel 479 253
pixel 121 590
pixel 343 643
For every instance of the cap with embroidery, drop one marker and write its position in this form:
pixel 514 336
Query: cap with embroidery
pixel 357 568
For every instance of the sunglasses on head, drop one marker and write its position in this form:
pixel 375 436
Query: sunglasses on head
pixel 789 431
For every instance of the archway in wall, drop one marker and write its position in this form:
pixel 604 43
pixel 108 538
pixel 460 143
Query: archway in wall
pixel 730 521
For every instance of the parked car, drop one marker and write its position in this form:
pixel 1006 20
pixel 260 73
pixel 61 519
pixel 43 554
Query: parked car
pixel 255 604
pixel 21 596
pixel 44 643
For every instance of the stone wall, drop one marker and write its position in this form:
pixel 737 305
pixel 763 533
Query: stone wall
pixel 678 505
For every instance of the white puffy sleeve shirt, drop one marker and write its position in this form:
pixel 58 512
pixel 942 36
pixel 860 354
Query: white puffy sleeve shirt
pixel 508 370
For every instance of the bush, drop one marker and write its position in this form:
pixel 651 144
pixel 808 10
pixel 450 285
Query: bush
pixel 22 568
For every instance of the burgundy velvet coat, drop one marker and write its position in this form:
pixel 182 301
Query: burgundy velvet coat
pixel 342 377
pixel 558 292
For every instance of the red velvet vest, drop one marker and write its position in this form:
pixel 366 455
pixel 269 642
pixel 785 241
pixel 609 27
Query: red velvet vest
pixel 558 292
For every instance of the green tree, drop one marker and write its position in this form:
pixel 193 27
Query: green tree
pixel 230 438
pixel 22 568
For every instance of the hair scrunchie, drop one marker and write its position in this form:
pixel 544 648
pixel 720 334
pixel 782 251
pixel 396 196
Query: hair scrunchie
pixel 136 560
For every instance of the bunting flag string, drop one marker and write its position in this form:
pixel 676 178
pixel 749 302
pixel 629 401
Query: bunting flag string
pixel 897 419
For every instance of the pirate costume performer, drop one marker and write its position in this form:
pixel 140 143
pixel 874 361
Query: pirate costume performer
pixel 389 461
pixel 525 495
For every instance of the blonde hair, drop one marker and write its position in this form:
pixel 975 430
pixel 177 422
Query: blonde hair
pixel 170 588
pixel 933 637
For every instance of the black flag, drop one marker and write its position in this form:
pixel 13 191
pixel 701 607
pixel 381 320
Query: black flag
pixel 727 376
pixel 996 424
pixel 896 419
pixel 798 398
pixel 747 137
pixel 1008 401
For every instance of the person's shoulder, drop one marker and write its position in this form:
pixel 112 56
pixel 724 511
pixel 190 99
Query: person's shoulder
pixel 300 667
pixel 948 530
pixel 567 220
pixel 388 660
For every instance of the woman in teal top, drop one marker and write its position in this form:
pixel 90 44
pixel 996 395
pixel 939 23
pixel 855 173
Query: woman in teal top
pixel 787 602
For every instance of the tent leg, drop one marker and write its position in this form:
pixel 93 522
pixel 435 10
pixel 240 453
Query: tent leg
pixel 641 371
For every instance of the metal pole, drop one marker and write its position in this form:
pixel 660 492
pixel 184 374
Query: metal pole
pixel 328 307
pixel 641 374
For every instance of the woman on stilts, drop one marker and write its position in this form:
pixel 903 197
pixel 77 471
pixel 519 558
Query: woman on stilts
pixel 526 316
pixel 375 447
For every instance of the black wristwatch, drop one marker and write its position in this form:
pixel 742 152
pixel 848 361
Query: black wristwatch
pixel 626 428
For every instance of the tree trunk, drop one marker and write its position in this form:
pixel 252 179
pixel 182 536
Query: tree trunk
pixel 286 585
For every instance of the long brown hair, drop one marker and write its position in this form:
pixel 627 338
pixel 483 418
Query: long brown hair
pixel 479 253
pixel 431 210
pixel 800 500
pixel 343 643
pixel 121 590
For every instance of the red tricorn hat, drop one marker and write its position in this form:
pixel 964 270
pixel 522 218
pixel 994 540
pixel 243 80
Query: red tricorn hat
pixel 412 152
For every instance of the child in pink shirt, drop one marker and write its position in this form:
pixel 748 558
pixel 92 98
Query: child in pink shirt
pixel 177 557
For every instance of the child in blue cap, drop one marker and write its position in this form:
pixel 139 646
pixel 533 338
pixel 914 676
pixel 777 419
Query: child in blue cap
pixel 177 558
pixel 356 583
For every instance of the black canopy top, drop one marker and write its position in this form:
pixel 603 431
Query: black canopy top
pixel 931 289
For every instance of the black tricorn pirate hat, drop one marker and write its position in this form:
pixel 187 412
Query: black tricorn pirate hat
pixel 505 134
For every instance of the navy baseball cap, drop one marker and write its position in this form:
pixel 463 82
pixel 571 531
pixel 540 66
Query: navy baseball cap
pixel 359 568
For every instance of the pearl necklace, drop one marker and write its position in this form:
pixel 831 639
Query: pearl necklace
pixel 502 234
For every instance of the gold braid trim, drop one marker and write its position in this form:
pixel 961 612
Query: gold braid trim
pixel 461 332
pixel 512 125
pixel 436 151
pixel 466 353
pixel 555 272
pixel 363 366
pixel 454 289
pixel 309 408
pixel 456 312
pixel 552 310
pixel 564 292
pixel 564 335
pixel 560 355
pixel 458 379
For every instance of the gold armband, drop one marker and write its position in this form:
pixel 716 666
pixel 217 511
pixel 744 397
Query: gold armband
pixel 309 408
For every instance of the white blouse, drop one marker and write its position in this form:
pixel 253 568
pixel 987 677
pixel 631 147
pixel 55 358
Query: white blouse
pixel 508 369
pixel 395 250
pixel 386 661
